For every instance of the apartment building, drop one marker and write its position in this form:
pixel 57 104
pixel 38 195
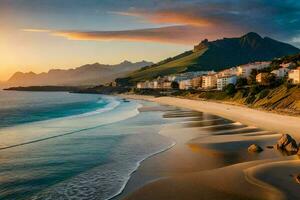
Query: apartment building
pixel 245 70
pixel 209 81
pixel 222 82
pixel 281 72
pixel 294 75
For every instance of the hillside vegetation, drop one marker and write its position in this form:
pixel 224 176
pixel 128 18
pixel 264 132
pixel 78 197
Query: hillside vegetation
pixel 283 99
pixel 171 67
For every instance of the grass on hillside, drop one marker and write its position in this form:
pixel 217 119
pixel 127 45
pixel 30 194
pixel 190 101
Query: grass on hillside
pixel 173 67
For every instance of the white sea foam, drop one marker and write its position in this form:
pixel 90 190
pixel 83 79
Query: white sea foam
pixel 112 104
pixel 109 180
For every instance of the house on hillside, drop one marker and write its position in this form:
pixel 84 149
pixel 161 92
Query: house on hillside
pixel 222 82
pixel 209 81
pixel 261 77
pixel 197 82
pixel 294 75
pixel 245 70
pixel 281 72
pixel 228 72
pixel 166 85
pixel 287 65
pixel 140 85
pixel 147 85
pixel 185 84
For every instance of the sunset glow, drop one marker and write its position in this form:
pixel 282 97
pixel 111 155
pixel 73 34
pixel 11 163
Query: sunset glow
pixel 37 36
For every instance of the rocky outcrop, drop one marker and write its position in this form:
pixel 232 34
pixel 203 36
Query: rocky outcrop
pixel 287 143
pixel 254 148
pixel 297 178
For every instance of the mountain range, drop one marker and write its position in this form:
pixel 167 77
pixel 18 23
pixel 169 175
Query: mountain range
pixel 90 74
pixel 215 55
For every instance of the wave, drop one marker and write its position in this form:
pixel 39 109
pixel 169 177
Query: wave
pixel 49 129
pixel 108 180
pixel 112 104
pixel 138 164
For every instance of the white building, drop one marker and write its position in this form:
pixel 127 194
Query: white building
pixel 222 82
pixel 187 75
pixel 209 81
pixel 294 75
pixel 245 70
pixel 228 72
pixel 147 85
pixel 140 85
pixel 185 84
pixel 286 65
pixel 281 72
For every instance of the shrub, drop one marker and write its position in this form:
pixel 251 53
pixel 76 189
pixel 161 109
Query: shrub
pixel 244 92
pixel 255 89
pixel 250 99
pixel 175 85
pixel 230 89
pixel 288 84
pixel 264 93
pixel 252 77
pixel 241 82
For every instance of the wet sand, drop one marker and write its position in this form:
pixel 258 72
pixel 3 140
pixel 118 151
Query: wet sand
pixel 210 159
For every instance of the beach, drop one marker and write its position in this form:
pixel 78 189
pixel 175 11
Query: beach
pixel 262 119
pixel 210 159
pixel 89 146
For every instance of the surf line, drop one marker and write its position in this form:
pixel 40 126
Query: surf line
pixel 52 137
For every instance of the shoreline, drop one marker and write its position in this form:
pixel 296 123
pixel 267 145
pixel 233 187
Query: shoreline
pixel 138 164
pixel 191 176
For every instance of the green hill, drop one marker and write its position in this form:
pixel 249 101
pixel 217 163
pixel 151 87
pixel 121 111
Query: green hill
pixel 215 55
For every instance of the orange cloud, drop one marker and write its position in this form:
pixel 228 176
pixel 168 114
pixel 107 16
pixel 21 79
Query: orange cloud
pixel 185 34
pixel 171 34
pixel 169 17
pixel 36 30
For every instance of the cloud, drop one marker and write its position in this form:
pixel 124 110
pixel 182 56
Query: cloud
pixel 186 35
pixel 168 17
pixel 36 30
pixel 189 21
pixel 275 18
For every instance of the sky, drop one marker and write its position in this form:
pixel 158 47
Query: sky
pixel 37 35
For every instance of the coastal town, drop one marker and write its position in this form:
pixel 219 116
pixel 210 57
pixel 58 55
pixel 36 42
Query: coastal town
pixel 211 80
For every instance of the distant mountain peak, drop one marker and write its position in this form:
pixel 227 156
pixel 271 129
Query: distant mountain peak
pixel 16 74
pixel 252 35
pixel 252 40
pixel 126 62
pixel 89 74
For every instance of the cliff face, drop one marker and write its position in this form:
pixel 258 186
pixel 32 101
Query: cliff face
pixel 202 45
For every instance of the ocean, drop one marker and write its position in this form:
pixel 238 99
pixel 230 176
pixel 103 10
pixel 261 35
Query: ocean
pixel 58 145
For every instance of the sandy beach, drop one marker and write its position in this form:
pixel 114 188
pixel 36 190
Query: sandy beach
pixel 262 119
pixel 210 159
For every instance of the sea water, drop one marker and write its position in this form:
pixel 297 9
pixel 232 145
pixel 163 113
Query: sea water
pixel 57 145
